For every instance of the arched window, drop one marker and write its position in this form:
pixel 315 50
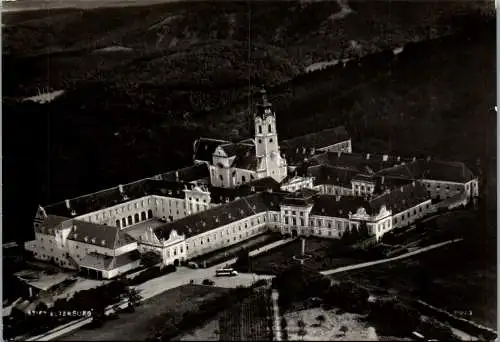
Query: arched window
pixel 118 223
pixel 150 214
pixel 124 222
pixel 243 179
pixel 143 216
pixel 269 128
pixel 260 129
pixel 129 220
pixel 136 218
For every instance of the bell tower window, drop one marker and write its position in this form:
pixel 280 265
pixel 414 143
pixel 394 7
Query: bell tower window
pixel 269 128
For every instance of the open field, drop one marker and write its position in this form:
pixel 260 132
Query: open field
pixel 248 320
pixel 322 251
pixel 456 278
pixel 139 325
pixel 336 327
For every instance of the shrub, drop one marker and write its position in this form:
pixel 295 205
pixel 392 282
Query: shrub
pixel 394 318
pixel 348 296
pixel 208 282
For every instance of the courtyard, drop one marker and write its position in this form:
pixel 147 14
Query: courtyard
pixel 325 254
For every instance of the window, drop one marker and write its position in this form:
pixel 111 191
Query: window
pixel 243 179
pixel 270 140
pixel 302 222
pixel 260 129
pixel 118 223
pixel 269 128
pixel 294 213
pixel 129 220
pixel 260 141
pixel 294 221
pixel 301 213
pixel 286 220
pixel 220 177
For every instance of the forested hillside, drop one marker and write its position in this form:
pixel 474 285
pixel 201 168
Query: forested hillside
pixel 131 114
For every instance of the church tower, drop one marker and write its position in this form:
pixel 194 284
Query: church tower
pixel 267 150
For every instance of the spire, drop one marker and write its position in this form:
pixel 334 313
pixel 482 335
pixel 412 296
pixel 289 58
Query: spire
pixel 264 106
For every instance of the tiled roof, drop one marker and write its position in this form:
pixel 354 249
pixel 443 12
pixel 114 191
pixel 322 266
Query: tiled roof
pixel 296 155
pixel 106 262
pixel 221 215
pixel 222 195
pixel 162 186
pixel 99 235
pixel 50 224
pixel 187 174
pixel 402 198
pixel 331 175
pixel 204 148
pixel 445 171
pixel 263 184
pixel 432 170
pixel 302 197
pixel 365 163
pixel 245 158
pixel 397 200
pixel 339 206
pixel 319 139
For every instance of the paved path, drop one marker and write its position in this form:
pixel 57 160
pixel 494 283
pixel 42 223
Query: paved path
pixel 376 262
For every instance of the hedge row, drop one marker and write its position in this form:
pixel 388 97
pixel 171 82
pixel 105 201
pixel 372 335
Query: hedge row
pixel 151 273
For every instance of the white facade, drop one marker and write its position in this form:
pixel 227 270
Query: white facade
pixel 297 183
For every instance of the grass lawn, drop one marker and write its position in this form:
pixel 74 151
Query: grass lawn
pixel 459 277
pixel 322 251
pixel 139 325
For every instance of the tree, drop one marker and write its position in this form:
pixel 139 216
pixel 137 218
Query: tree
pixel 302 329
pixel 134 298
pixel 243 261
pixel 151 258
pixel 364 232
pixel 321 319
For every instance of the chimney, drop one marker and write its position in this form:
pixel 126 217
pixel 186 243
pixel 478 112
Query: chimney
pixel 383 178
pixel 337 198
pixel 367 156
pixel 120 187
pixel 385 157
pixel 413 183
pixel 414 159
pixel 401 189
pixel 176 175
pixel 339 153
pixel 67 204
pixel 428 158
pixel 303 150
pixel 252 188
pixel 312 151
pixel 399 159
